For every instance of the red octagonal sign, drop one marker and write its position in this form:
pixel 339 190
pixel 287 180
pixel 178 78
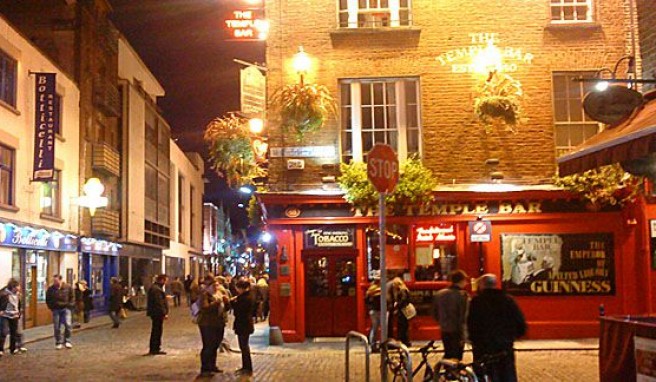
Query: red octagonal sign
pixel 383 168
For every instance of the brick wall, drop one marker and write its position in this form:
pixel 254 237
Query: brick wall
pixel 455 144
pixel 647 28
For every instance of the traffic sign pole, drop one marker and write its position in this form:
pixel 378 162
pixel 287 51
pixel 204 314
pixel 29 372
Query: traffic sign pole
pixel 382 236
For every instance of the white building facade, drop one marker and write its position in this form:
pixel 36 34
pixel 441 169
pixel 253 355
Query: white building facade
pixel 38 220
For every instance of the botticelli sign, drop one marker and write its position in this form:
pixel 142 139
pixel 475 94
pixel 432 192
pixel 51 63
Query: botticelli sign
pixel 46 122
pixel 383 168
pixel 562 264
pixel 329 237
pixel 12 235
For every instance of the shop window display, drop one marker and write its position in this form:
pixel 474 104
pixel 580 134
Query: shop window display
pixel 97 274
pixel 396 251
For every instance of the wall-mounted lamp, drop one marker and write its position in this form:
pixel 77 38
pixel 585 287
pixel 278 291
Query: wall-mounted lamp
pixel 301 63
pixel 488 61
pixel 92 197
pixel 256 125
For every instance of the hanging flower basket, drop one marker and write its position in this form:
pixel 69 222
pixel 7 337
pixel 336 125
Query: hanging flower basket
pixel 499 101
pixel 303 108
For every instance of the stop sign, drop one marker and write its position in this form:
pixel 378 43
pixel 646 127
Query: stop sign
pixel 383 168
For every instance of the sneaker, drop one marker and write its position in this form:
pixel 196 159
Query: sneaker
pixel 22 350
pixel 2 353
pixel 59 346
pixel 69 345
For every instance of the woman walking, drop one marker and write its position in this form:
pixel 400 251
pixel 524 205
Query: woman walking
pixel 243 306
pixel 211 324
pixel 401 298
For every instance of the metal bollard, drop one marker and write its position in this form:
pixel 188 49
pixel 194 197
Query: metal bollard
pixel 365 341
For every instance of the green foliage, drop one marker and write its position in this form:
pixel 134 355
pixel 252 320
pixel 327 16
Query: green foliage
pixel 230 148
pixel 255 216
pixel 416 184
pixel 303 107
pixel 604 186
pixel 499 100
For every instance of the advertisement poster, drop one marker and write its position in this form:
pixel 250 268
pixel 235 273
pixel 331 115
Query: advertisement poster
pixel 645 356
pixel 558 264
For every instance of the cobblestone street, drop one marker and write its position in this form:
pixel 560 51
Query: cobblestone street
pixel 104 354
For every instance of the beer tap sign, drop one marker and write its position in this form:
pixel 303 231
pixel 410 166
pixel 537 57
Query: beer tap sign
pixel 383 173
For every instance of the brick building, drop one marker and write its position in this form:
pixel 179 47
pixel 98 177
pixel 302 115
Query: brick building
pixel 404 73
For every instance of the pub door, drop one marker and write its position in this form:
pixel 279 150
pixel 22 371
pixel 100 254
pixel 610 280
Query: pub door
pixel 330 293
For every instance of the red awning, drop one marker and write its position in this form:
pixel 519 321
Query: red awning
pixel 631 139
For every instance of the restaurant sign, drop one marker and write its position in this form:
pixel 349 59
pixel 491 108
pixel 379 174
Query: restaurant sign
pixel 329 237
pixel 46 123
pixel 12 235
pixel 558 264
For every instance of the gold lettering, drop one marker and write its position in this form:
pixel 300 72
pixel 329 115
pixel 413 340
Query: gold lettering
pixel 481 209
pixel 505 208
pixel 454 209
pixel 535 207
pixel 519 209
pixel 438 209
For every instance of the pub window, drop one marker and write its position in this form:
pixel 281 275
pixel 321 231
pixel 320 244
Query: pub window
pixel 6 176
pixel 8 67
pixel 571 11
pixel 572 125
pixel 51 196
pixel 435 252
pixel 396 252
pixel 380 111
pixel 374 13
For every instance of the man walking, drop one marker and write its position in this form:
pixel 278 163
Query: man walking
pixel 187 287
pixel 115 301
pixel 450 311
pixel 60 299
pixel 176 290
pixel 10 313
pixel 494 323
pixel 158 311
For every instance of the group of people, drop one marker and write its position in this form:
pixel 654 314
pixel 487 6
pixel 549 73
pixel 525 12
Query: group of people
pixel 491 320
pixel 210 302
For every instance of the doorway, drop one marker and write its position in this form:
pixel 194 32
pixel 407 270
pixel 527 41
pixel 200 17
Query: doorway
pixel 330 293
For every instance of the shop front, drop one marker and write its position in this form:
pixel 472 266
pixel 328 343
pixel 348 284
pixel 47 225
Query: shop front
pixel 139 264
pixel 559 260
pixel 98 264
pixel 33 256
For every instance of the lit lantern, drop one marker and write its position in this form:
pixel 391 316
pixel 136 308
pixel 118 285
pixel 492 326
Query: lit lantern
pixel 256 125
pixel 301 63
pixel 488 60
pixel 92 197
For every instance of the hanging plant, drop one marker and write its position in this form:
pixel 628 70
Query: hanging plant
pixel 603 186
pixel 499 100
pixel 303 107
pixel 415 186
pixel 230 149
pixel 255 214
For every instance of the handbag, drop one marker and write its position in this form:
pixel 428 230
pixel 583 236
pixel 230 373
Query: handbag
pixel 122 313
pixel 409 311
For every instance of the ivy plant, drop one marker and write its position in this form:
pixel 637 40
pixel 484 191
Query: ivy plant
pixel 603 186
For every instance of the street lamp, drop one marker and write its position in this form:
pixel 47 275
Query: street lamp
pixel 92 197
pixel 301 63
pixel 256 125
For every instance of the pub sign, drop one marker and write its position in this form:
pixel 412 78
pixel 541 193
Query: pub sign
pixel 329 237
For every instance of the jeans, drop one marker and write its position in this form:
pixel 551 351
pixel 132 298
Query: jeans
pixel 12 328
pixel 502 370
pixel 62 317
pixel 176 299
pixel 113 314
pixel 403 325
pixel 454 346
pixel 212 337
pixel 375 325
pixel 156 334
pixel 245 348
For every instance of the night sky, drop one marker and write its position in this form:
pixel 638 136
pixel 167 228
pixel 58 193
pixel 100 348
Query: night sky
pixel 183 42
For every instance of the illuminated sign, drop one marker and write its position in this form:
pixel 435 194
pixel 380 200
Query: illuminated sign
pixel 462 60
pixel 330 237
pixel 35 238
pixel 248 25
pixel 435 233
pixel 103 247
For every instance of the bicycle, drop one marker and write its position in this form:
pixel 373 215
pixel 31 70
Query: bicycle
pixel 396 363
pixel 454 370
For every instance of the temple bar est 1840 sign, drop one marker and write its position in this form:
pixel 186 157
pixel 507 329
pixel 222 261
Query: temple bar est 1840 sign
pixel 563 264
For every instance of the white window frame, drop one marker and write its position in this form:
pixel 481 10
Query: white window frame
pixel 560 150
pixel 393 8
pixel 357 154
pixel 562 5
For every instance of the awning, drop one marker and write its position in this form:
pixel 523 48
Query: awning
pixel 631 139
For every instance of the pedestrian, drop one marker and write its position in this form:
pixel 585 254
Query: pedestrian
pixel 187 288
pixel 262 298
pixel 494 323
pixel 211 323
pixel 401 300
pixel 194 291
pixel 372 301
pixel 243 307
pixel 450 311
pixel 60 299
pixel 158 311
pixel 10 314
pixel 83 302
pixel 115 301
pixel 176 290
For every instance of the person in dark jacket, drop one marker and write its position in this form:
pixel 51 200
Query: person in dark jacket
pixel 60 299
pixel 211 323
pixel 158 311
pixel 400 299
pixel 450 311
pixel 115 301
pixel 187 288
pixel 243 307
pixel 10 314
pixel 494 323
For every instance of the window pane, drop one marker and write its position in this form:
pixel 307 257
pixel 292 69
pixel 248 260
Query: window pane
pixel 343 4
pixel 346 119
pixel 559 86
pixel 365 94
pixel 560 111
pixel 392 140
pixel 390 93
pixel 378 94
pixel 379 137
pixel 413 141
pixel 589 130
pixel 367 141
pixel 574 88
pixel 347 143
pixel 345 94
pixel 366 118
pixel 379 117
pixel 411 91
pixel 562 136
pixel 391 117
pixel 575 110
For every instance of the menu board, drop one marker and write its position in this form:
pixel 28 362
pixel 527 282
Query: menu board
pixel 558 264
